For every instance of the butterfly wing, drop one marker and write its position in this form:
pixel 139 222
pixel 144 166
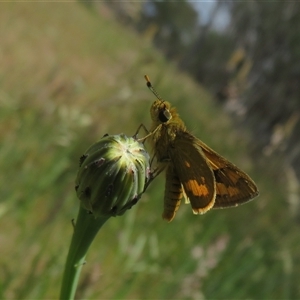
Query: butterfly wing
pixel 193 171
pixel 233 186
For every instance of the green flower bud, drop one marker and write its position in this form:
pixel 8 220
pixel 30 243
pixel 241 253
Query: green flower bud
pixel 112 175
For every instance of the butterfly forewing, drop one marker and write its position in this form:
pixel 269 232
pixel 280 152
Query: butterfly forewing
pixel 193 171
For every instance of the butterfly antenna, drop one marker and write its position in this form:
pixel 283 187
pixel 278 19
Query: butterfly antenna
pixel 152 89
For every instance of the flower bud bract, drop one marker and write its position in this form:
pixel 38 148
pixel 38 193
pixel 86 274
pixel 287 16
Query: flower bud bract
pixel 112 175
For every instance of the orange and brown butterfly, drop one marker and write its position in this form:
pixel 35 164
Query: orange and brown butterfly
pixel 193 170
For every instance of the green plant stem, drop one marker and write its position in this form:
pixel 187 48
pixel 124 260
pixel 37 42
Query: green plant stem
pixel 85 230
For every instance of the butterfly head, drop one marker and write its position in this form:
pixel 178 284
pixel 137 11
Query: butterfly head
pixel 160 109
pixel 160 112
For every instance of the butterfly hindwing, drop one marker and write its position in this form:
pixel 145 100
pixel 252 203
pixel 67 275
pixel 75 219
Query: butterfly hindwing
pixel 233 186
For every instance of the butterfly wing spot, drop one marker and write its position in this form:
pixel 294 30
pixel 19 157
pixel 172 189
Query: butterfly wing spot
pixel 226 191
pixel 197 188
pixel 187 164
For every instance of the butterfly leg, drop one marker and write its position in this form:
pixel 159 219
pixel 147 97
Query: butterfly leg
pixel 154 174
pixel 149 133
pixel 138 130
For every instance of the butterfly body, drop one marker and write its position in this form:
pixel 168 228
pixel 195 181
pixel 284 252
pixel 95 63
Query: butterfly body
pixel 205 178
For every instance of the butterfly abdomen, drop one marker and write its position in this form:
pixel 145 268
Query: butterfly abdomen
pixel 173 194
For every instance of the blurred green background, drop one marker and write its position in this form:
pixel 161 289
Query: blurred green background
pixel 71 73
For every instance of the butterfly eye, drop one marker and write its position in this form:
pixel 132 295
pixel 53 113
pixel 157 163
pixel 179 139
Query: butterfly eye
pixel 164 115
